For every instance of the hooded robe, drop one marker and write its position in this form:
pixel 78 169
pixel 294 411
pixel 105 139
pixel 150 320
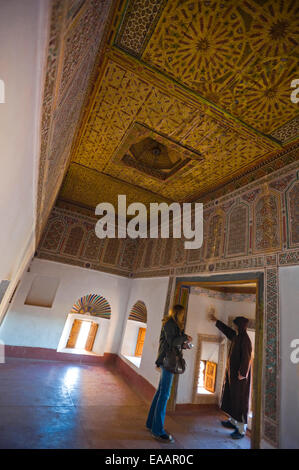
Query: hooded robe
pixel 235 393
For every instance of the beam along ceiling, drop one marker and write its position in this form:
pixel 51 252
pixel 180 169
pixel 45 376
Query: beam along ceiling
pixel 241 288
pixel 188 96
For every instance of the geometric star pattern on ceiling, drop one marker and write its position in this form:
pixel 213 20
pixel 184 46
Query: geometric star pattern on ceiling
pixel 124 98
pixel 210 76
pixel 87 187
pixel 239 55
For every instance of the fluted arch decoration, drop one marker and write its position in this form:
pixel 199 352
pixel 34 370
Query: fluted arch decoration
pixel 93 304
pixel 138 312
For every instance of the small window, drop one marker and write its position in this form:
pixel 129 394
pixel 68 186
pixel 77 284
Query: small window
pixel 135 333
pixel 210 376
pixel 207 377
pixel 82 335
pixel 208 371
pixel 140 342
pixel 42 291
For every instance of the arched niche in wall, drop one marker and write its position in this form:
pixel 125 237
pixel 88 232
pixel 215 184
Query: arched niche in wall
pixel 92 247
pixel 237 230
pixel 87 325
pixel 215 238
pixel 267 222
pixel 54 234
pixel 74 240
pixel 135 331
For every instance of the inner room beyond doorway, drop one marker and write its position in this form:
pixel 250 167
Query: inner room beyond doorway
pixel 205 374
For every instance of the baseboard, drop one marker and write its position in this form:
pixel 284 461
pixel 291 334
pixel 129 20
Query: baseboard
pixel 136 381
pixel 48 354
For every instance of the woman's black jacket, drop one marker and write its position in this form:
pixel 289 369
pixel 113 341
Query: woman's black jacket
pixel 171 335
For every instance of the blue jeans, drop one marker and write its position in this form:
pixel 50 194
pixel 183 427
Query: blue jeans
pixel 157 412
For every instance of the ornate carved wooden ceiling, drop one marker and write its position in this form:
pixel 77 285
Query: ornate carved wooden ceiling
pixel 211 78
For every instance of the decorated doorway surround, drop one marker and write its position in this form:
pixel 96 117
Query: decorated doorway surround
pixel 261 364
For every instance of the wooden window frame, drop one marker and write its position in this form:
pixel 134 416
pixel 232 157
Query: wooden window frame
pixel 140 331
pixel 200 398
pixel 74 333
pixel 94 327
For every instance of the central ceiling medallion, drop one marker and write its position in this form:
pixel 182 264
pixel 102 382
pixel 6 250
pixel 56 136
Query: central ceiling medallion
pixel 154 154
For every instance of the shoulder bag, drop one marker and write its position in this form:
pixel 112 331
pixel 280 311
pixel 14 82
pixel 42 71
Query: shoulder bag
pixel 174 361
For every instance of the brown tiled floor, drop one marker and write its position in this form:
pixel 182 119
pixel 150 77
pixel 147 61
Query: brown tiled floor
pixel 47 404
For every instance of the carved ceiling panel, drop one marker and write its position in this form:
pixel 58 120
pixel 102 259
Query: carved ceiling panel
pixel 125 98
pixel 89 187
pixel 242 56
pixel 209 77
pixel 76 32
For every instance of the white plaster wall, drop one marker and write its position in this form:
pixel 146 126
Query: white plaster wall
pixel 153 293
pixel 130 337
pixel 23 35
pixel 197 323
pixel 210 351
pixel 237 309
pixel 289 327
pixel 26 325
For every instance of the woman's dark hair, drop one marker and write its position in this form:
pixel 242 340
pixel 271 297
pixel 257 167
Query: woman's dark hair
pixel 177 309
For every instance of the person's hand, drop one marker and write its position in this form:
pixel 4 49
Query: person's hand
pixel 240 377
pixel 211 314
pixel 189 338
pixel 212 317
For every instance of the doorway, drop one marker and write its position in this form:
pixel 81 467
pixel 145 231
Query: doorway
pixel 210 351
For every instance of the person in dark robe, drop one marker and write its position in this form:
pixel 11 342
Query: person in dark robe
pixel 236 387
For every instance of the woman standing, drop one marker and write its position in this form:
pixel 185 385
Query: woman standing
pixel 172 335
